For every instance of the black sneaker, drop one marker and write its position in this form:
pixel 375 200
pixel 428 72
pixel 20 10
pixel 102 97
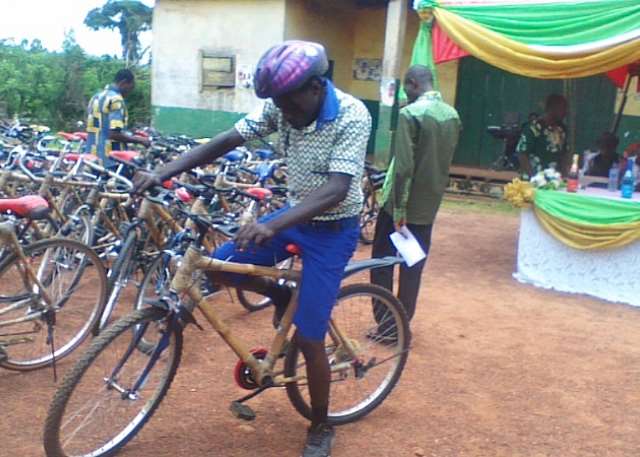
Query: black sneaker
pixel 280 299
pixel 319 441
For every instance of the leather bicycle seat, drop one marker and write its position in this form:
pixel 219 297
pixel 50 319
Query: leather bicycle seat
pixel 74 157
pixel 234 156
pixel 69 136
pixel 125 156
pixel 30 206
pixel 259 193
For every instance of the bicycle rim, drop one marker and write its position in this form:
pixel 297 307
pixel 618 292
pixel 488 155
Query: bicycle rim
pixel 95 412
pixel 154 288
pixel 382 342
pixel 75 280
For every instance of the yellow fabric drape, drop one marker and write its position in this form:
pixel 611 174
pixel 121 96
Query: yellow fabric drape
pixel 519 58
pixel 589 237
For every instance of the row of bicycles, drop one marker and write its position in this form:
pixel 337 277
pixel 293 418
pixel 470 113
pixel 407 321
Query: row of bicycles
pixel 82 259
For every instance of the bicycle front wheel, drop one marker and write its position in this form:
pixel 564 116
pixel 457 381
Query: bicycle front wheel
pixel 374 323
pixel 115 388
pixel 33 331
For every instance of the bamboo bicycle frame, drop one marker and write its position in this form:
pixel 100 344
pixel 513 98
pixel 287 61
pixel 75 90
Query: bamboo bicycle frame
pixel 183 284
pixel 29 277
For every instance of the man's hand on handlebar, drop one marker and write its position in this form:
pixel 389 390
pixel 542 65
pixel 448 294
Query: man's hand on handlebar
pixel 144 180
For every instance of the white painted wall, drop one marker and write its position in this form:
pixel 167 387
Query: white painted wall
pixel 182 28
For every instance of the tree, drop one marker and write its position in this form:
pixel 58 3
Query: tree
pixel 130 17
pixel 53 88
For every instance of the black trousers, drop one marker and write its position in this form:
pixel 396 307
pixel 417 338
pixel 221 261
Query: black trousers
pixel 409 284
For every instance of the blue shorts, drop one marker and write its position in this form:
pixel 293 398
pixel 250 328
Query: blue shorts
pixel 326 250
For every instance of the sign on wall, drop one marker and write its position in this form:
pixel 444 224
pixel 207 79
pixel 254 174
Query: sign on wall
pixel 218 70
pixel 245 76
pixel 367 69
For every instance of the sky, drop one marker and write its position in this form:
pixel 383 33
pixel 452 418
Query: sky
pixel 48 20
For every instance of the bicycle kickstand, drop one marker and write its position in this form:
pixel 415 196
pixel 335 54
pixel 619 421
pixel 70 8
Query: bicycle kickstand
pixel 242 411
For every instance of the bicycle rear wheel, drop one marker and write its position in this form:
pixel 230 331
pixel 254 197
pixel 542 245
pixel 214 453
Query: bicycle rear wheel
pixel 104 401
pixel 74 278
pixel 252 301
pixel 381 339
pixel 369 216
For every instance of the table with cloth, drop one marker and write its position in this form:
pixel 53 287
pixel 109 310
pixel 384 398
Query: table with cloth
pixel 586 243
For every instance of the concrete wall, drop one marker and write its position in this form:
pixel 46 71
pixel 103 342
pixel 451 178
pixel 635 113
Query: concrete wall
pixel 246 28
pixel 332 25
pixel 183 28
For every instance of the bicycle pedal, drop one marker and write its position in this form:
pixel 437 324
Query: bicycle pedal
pixel 242 411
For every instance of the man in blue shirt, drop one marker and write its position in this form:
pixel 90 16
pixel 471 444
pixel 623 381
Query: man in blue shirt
pixel 107 118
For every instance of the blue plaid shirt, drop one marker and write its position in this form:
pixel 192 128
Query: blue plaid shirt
pixel 106 111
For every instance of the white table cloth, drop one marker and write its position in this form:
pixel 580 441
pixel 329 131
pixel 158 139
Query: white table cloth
pixel 609 274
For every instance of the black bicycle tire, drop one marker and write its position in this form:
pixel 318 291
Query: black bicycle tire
pixel 248 305
pixel 368 215
pixel 291 359
pixel 265 302
pixel 56 410
pixel 143 345
pixel 101 277
pixel 119 267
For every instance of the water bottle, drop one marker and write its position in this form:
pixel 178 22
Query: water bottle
pixel 628 183
pixel 614 177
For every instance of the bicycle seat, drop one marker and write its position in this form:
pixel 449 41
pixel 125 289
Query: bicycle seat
pixel 264 154
pixel 125 156
pixel 293 249
pixel 31 206
pixel 81 135
pixel 74 157
pixel 183 195
pixel 259 193
pixel 234 156
pixel 68 136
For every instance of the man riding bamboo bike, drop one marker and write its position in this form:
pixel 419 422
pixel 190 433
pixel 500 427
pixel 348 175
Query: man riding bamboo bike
pixel 323 133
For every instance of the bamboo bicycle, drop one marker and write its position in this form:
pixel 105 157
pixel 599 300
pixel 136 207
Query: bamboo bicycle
pixel 116 386
pixel 52 292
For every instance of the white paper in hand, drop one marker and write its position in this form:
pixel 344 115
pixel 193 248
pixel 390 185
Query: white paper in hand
pixel 407 246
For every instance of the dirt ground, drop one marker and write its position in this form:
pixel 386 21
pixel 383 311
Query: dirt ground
pixel 497 369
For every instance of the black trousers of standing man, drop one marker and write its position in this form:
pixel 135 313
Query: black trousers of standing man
pixel 409 285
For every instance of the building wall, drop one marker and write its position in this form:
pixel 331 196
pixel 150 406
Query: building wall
pixel 246 28
pixel 330 24
pixel 183 28
pixel 629 131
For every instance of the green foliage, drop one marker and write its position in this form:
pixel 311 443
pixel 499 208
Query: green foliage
pixel 54 88
pixel 130 17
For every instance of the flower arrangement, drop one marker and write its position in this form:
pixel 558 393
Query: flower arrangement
pixel 547 179
pixel 519 193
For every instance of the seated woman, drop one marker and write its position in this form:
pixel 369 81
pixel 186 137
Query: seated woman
pixel 606 156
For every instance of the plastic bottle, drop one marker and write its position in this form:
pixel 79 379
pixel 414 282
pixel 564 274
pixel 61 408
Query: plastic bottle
pixel 628 183
pixel 614 177
pixel 573 180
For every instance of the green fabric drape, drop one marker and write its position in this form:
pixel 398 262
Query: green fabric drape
pixel 587 210
pixel 423 50
pixel 551 24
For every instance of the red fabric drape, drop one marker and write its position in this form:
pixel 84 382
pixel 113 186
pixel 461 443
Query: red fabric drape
pixel 619 75
pixel 444 49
